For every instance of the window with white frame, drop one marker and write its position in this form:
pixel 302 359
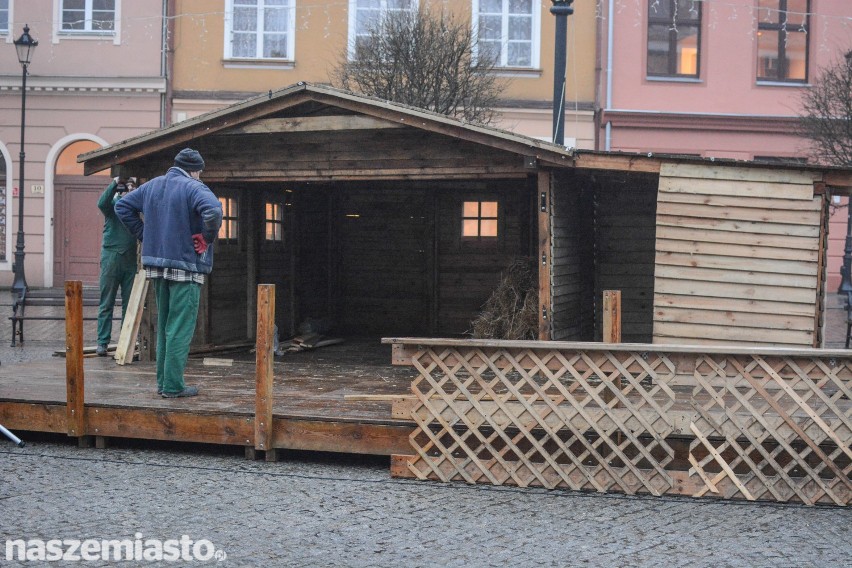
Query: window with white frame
pixel 365 15
pixel 4 16
pixel 508 30
pixel 259 29
pixel 88 15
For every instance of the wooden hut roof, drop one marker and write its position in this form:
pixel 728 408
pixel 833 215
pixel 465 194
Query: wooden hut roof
pixel 313 108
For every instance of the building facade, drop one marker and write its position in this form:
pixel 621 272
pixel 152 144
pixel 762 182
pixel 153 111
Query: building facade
pixel 96 77
pixel 242 48
pixel 718 79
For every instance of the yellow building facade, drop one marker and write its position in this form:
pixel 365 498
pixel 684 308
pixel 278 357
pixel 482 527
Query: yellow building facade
pixel 231 50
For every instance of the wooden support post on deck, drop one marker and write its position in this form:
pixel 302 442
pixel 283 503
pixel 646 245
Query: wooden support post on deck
pixel 612 328
pixel 75 401
pixel 544 261
pixel 264 373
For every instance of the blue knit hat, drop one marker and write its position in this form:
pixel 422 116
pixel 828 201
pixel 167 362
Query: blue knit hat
pixel 190 160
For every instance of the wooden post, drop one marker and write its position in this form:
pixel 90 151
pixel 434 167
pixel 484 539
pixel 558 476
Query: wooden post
pixel 544 261
pixel 126 347
pixel 264 373
pixel 612 316
pixel 74 408
pixel 612 330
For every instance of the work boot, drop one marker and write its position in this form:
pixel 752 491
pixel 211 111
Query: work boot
pixel 188 391
pixel 101 351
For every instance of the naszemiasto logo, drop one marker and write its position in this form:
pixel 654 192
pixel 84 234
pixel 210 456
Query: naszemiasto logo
pixel 116 550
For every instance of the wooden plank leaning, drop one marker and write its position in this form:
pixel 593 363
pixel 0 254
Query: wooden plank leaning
pixel 264 371
pixel 74 408
pixel 132 320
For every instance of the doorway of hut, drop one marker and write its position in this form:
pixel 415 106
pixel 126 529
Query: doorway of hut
pixel 366 259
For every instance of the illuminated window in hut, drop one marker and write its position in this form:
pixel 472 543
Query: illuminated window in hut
pixel 274 222
pixel 479 219
pixel 228 230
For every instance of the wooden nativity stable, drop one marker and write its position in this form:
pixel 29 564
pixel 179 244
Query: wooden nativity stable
pixel 384 220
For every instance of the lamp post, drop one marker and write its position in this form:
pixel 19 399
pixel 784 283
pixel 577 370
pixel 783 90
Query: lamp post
pixel 561 9
pixel 25 46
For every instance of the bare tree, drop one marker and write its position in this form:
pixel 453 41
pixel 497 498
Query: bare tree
pixel 826 117
pixel 425 60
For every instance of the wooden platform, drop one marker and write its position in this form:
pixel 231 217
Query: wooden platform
pixel 310 411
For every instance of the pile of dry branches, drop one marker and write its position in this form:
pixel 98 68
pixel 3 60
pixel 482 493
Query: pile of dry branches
pixel 512 310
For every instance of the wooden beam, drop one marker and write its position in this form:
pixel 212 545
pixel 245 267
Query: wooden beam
pixel 544 203
pixel 618 162
pixel 312 124
pixel 839 182
pixel 132 320
pixel 75 419
pixel 264 371
pixel 612 316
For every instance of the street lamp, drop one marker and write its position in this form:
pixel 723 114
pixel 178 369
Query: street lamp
pixel 25 46
pixel 561 9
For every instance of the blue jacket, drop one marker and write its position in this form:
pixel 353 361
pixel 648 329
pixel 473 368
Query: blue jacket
pixel 175 207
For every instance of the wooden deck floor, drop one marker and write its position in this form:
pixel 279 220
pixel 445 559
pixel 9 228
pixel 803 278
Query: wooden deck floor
pixel 309 407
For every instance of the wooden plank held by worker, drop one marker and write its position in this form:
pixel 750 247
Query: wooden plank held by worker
pixel 132 320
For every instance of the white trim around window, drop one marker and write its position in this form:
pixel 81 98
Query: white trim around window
pixel 364 13
pixel 513 28
pixel 90 15
pixel 260 30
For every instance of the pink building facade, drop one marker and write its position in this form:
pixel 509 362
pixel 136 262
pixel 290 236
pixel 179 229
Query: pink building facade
pixel 97 77
pixel 718 79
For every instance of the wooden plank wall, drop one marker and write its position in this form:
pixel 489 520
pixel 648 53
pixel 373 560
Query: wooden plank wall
pixel 737 256
pixel 383 247
pixel 313 282
pixel 467 275
pixel 226 295
pixel 624 211
pixel 275 258
pixel 572 257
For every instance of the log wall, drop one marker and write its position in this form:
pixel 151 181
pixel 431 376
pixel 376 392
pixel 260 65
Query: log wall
pixel 738 257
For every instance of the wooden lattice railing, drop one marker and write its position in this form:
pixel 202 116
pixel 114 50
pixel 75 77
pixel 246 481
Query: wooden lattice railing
pixel 751 424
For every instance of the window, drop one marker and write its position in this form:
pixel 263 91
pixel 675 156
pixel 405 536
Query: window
pixel 365 15
pixel 4 16
pixel 508 31
pixel 479 219
pixel 674 38
pixel 88 15
pixel 228 230
pixel 274 222
pixel 259 29
pixel 782 40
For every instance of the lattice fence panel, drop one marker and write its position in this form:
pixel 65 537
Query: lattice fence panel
pixel 775 428
pixel 734 426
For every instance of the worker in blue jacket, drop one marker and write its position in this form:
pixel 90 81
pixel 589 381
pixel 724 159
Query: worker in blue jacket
pixel 118 261
pixel 177 218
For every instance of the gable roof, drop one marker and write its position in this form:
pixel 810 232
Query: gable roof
pixel 241 114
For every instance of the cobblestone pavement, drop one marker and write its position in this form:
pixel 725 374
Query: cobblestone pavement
pixel 322 510
pixel 335 510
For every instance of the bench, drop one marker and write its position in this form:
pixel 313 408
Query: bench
pixel 47 297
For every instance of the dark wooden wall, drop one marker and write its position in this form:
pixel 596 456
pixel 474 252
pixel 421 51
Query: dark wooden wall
pixel 469 272
pixel 227 285
pixel 572 271
pixel 625 233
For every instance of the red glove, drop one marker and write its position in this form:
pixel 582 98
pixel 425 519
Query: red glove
pixel 199 244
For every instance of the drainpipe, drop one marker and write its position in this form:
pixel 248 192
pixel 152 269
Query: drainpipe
pixel 561 9
pixel 609 42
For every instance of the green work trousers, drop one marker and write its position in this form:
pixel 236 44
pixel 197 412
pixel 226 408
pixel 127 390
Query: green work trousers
pixel 177 310
pixel 118 269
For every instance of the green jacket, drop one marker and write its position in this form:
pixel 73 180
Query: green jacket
pixel 116 236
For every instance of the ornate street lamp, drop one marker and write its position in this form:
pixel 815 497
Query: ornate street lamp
pixel 25 46
pixel 561 9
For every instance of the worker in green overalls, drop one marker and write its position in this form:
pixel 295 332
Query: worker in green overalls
pixel 118 261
